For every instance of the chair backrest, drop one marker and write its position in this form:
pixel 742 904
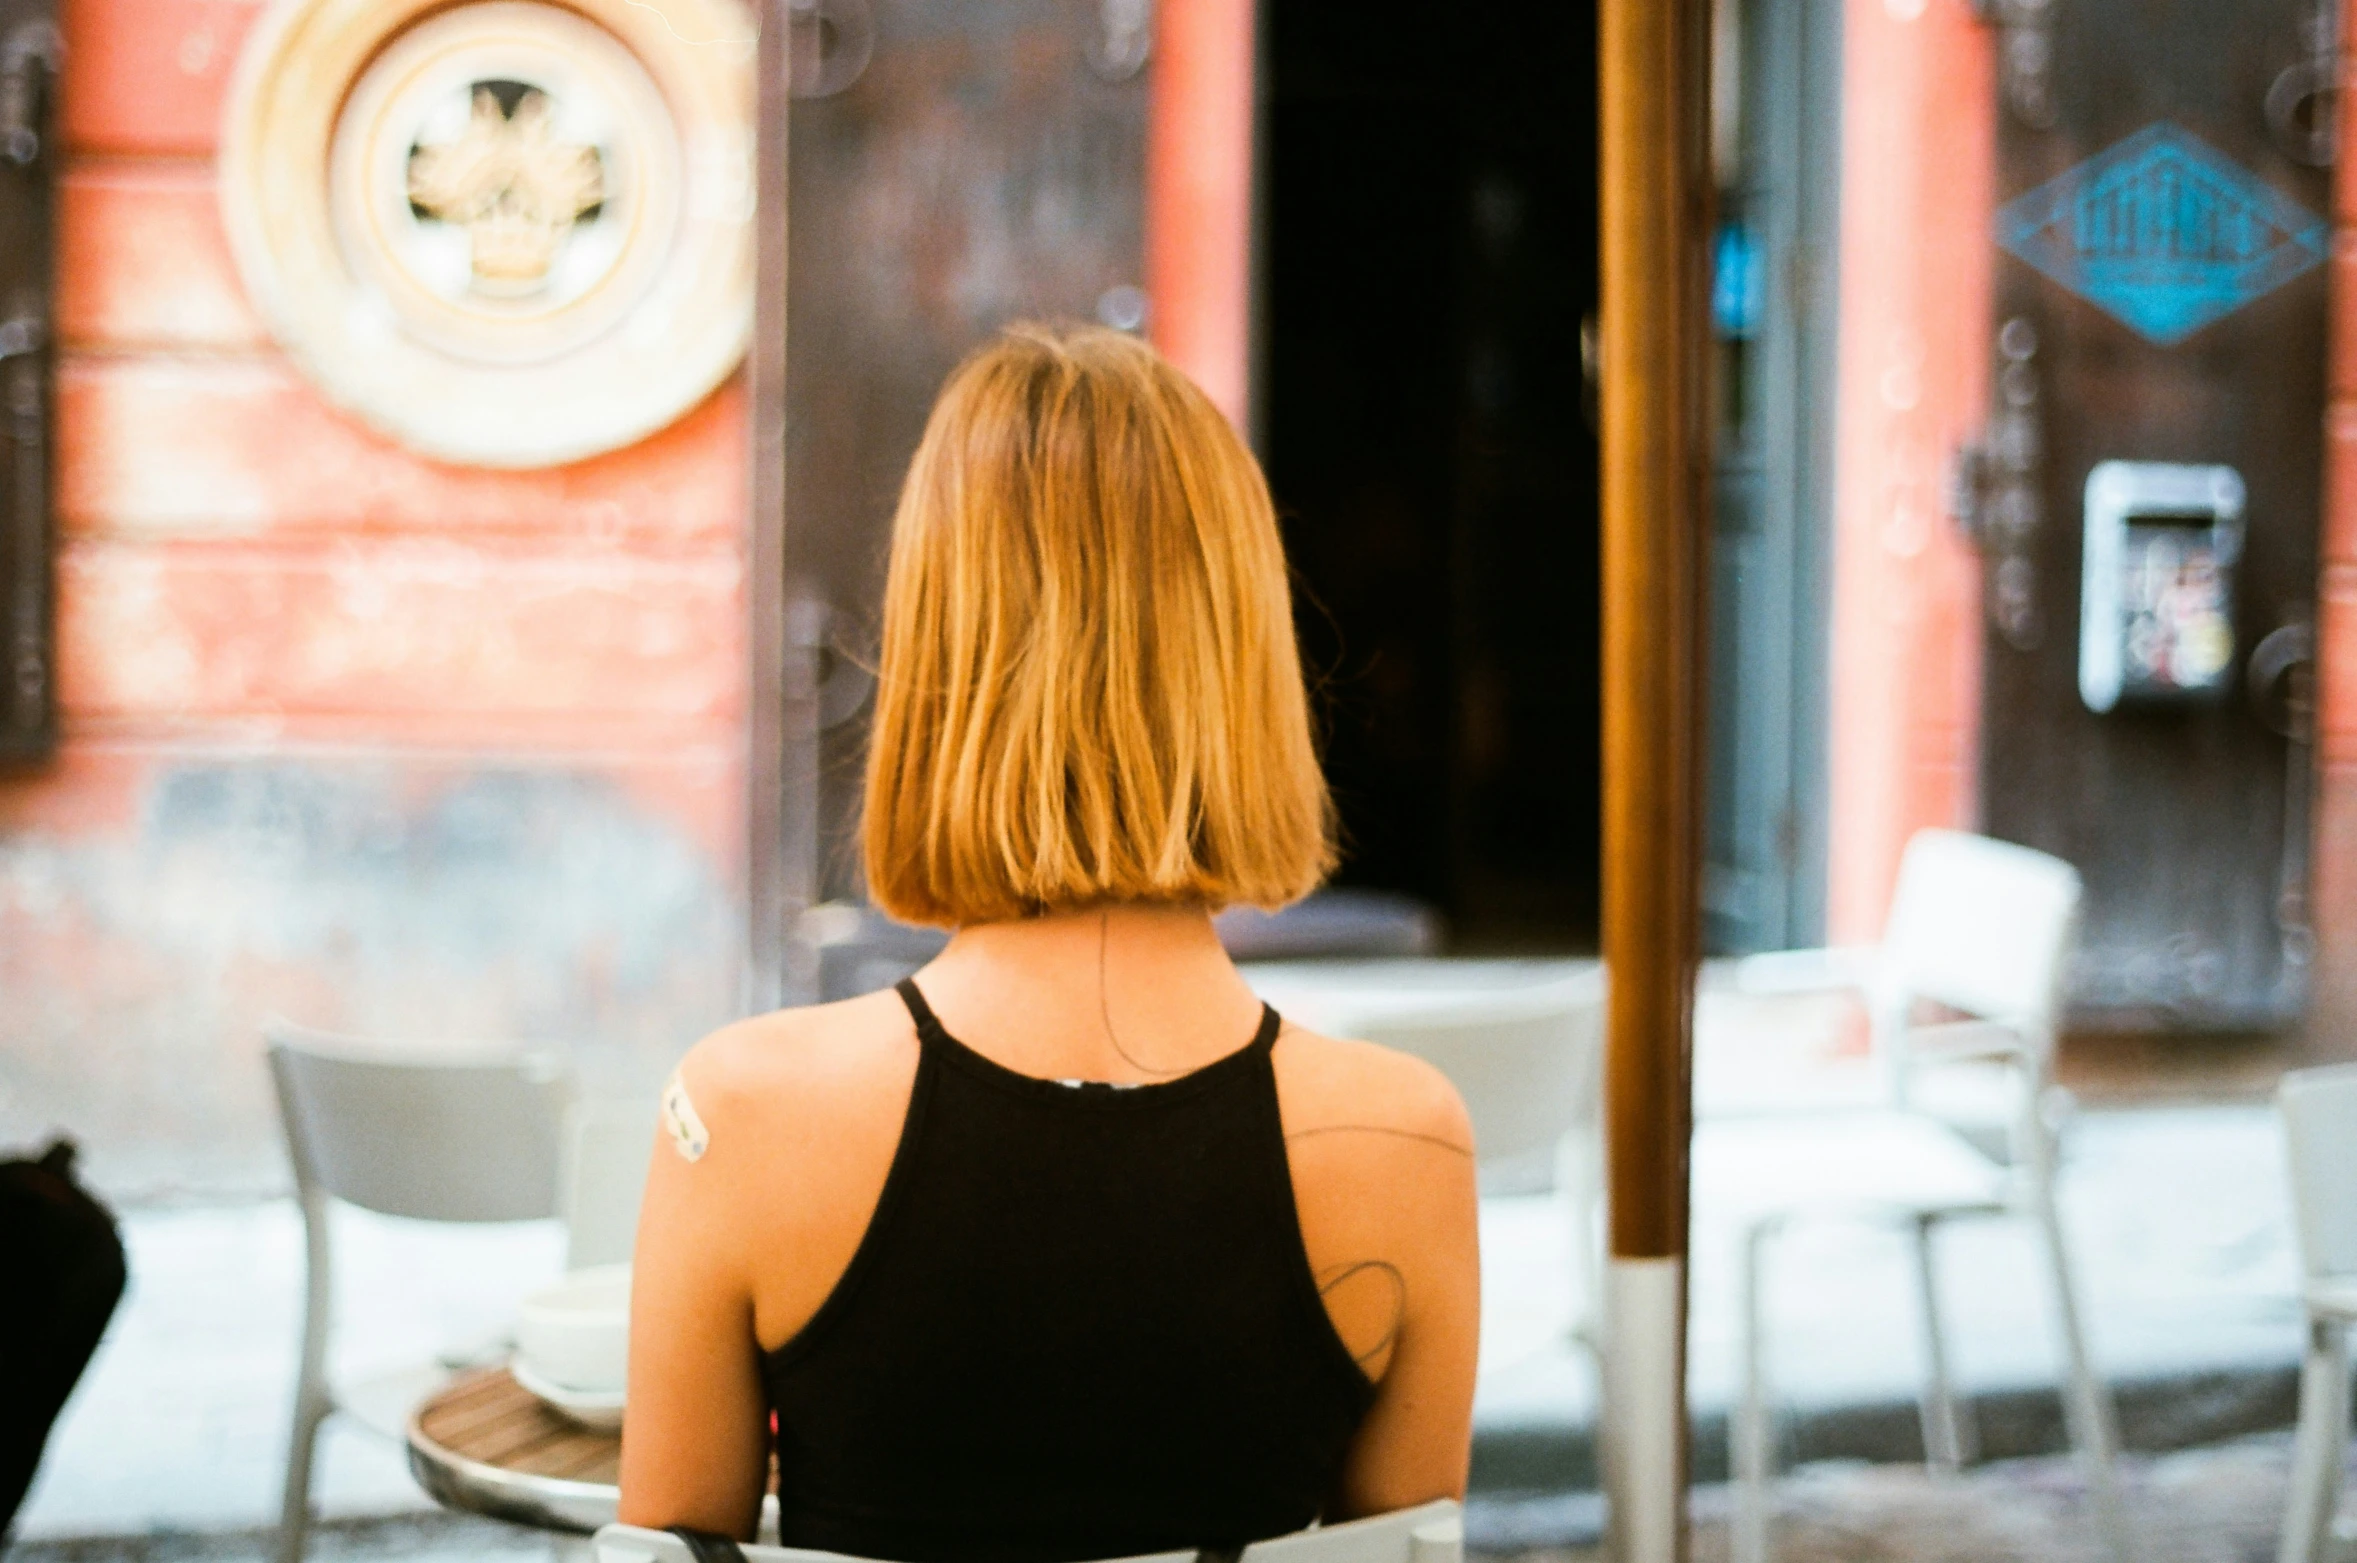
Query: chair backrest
pixel 1981 926
pixel 1429 1533
pixel 604 1178
pixel 436 1139
pixel 1524 1059
pixel 2320 1133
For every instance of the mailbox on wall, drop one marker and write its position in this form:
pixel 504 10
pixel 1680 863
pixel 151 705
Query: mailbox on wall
pixel 2156 585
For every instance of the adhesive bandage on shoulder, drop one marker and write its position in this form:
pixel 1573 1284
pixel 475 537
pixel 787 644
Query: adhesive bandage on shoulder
pixel 688 1134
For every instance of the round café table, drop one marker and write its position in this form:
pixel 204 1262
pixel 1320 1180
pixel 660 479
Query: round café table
pixel 483 1443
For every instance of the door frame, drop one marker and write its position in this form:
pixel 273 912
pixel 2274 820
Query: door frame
pixel 1780 146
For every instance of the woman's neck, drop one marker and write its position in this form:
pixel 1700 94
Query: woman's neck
pixel 1128 992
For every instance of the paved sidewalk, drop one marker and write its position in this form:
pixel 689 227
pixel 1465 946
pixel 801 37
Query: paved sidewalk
pixel 2221 1504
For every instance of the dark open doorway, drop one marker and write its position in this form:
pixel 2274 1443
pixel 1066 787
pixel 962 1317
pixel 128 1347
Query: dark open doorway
pixel 1428 256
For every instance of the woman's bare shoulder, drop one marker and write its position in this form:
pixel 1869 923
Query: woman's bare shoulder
pixel 1327 1085
pixel 815 1062
pixel 786 1125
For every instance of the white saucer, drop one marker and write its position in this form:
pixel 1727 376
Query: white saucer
pixel 600 1409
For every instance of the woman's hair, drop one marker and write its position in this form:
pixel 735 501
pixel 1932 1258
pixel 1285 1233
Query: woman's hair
pixel 1089 689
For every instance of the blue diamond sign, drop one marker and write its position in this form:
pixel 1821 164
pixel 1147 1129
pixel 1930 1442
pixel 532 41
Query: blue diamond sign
pixel 2164 232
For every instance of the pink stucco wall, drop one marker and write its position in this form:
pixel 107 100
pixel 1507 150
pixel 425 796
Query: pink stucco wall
pixel 349 735
pixel 1199 196
pixel 2332 1028
pixel 1917 185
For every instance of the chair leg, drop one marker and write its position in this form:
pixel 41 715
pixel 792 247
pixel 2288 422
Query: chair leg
pixel 2316 1456
pixel 1751 1431
pixel 2087 1405
pixel 294 1511
pixel 1576 1179
pixel 313 1400
pixel 1947 1438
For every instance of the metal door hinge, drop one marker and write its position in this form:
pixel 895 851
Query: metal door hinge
pixel 2025 56
pixel 2303 100
pixel 1123 38
pixel 1993 486
pixel 830 45
pixel 22 336
pixel 837 669
pixel 28 63
pixel 2281 678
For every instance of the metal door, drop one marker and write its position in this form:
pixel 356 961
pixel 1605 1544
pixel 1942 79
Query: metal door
pixel 2160 287
pixel 954 168
pixel 29 55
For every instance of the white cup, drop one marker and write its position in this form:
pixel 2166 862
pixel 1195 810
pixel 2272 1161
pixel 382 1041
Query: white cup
pixel 575 1333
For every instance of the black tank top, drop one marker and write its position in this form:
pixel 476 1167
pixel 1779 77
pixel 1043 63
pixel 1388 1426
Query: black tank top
pixel 1081 1324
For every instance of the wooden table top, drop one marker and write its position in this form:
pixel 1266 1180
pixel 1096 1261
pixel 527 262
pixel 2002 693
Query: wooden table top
pixel 488 1418
pixel 484 1443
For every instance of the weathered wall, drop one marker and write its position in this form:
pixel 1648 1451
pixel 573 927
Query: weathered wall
pixel 350 736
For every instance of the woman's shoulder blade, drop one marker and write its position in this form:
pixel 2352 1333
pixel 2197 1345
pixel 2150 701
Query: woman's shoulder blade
pixel 1331 1083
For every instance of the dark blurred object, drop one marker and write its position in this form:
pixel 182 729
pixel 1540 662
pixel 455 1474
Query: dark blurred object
pixel 862 950
pixel 65 1275
pixel 29 54
pixel 1428 253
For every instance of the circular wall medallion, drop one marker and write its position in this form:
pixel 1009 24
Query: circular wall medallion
pixel 509 232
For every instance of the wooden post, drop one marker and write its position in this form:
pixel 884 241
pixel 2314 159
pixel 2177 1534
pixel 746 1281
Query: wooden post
pixel 777 794
pixel 1656 196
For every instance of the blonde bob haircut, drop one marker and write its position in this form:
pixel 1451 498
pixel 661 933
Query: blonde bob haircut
pixel 1089 690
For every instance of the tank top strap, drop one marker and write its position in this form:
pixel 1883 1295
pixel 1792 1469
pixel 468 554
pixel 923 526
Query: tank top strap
pixel 928 1024
pixel 1265 1039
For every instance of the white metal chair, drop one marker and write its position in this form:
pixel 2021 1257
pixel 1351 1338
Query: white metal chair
pixel 607 1144
pixel 1429 1533
pixel 1978 929
pixel 2320 1133
pixel 1524 1056
pixel 462 1140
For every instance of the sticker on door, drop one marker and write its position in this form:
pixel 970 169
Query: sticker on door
pixel 2164 233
